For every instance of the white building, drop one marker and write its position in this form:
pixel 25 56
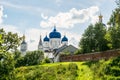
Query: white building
pixel 52 46
pixel 52 43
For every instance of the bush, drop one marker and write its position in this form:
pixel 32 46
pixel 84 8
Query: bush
pixel 73 66
pixel 78 52
pixel 46 60
pixel 6 66
pixel 61 69
pixel 31 58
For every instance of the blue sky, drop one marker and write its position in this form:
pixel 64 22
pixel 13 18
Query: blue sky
pixel 35 17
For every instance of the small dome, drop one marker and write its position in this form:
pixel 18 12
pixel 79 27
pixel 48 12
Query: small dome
pixel 55 34
pixel 64 39
pixel 46 38
pixel 23 42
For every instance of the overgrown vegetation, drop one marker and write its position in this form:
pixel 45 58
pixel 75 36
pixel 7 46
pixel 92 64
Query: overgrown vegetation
pixel 89 70
pixel 31 58
pixel 6 62
pixel 57 72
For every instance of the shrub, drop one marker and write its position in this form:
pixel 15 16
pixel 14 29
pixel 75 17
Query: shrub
pixel 46 60
pixel 61 69
pixel 73 66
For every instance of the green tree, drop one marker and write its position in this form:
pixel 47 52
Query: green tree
pixel 33 57
pixel 18 58
pixel 113 34
pixel 10 40
pixel 93 39
pixel 87 42
pixel 6 63
pixel 99 37
pixel 46 60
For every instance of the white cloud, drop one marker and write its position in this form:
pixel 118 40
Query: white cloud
pixel 33 36
pixel 2 14
pixel 11 28
pixel 72 17
pixel 43 16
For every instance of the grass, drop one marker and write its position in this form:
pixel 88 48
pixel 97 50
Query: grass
pixel 89 70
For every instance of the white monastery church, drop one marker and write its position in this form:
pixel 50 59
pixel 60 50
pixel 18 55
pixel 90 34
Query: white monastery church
pixel 52 46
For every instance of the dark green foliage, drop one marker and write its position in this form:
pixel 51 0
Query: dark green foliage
pixel 94 39
pixel 73 66
pixel 17 55
pixel 49 74
pixel 31 58
pixel 115 62
pixel 6 65
pixel 20 62
pixel 114 29
pixel 6 62
pixel 105 71
pixel 78 51
pixel 113 68
pixel 46 60
pixel 87 42
pixel 89 63
pixel 61 69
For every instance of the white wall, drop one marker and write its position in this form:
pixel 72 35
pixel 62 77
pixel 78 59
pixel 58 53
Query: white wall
pixel 46 45
pixel 55 43
pixel 49 55
pixel 65 42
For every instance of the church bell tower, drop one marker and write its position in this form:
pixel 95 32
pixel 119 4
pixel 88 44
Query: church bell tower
pixel 23 47
pixel 40 45
pixel 100 18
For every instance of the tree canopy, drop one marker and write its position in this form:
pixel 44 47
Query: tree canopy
pixel 93 39
pixel 31 58
pixel 6 62
pixel 114 29
pixel 11 41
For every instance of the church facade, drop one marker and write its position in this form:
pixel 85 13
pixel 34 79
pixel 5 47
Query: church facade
pixel 52 42
pixel 49 45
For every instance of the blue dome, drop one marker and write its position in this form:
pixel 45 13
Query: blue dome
pixel 64 39
pixel 55 34
pixel 46 38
